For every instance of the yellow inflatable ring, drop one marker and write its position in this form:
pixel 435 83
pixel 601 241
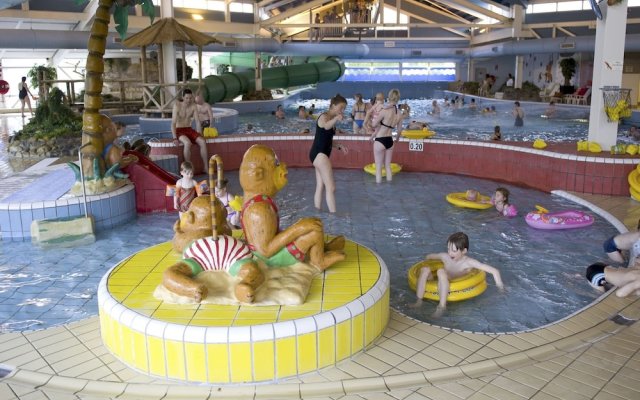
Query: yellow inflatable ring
pixel 470 285
pixel 417 133
pixel 460 200
pixel 371 168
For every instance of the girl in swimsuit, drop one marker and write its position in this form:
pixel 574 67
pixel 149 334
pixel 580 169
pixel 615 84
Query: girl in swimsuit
pixel 518 112
pixel 358 113
pixel 384 123
pixel 24 94
pixel 373 112
pixel 185 188
pixel 321 150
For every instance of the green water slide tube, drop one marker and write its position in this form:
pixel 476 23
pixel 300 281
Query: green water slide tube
pixel 223 87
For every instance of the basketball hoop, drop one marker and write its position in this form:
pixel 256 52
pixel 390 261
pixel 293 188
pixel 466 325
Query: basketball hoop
pixel 616 103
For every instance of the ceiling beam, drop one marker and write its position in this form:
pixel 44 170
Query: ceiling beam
pixel 452 30
pixel 475 10
pixel 436 10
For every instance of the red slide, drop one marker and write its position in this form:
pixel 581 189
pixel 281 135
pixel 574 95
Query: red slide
pixel 151 184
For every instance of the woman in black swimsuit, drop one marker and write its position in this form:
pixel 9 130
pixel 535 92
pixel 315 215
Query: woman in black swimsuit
pixel 24 94
pixel 384 123
pixel 321 150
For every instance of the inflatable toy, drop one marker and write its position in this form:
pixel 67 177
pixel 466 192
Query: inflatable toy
pixel 460 200
pixel 631 149
pixel 543 219
pixel 210 131
pixel 634 184
pixel 371 169
pixel 467 286
pixel 585 145
pixel 417 133
pixel 539 144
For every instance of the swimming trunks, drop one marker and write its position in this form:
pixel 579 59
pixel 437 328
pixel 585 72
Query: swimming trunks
pixel 610 245
pixel 386 141
pixel 188 132
pixel 286 256
pixel 322 142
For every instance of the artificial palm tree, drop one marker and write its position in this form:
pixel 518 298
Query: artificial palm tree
pixel 92 140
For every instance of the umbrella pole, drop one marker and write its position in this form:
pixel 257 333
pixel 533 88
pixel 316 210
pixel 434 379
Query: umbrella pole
pixel 184 63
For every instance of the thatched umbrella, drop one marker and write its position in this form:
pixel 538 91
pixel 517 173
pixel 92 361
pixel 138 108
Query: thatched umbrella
pixel 169 30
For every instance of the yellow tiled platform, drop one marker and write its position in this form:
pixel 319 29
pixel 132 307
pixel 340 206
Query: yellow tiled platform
pixel 347 308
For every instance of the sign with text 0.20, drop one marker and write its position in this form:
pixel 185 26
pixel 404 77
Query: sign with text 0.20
pixel 416 145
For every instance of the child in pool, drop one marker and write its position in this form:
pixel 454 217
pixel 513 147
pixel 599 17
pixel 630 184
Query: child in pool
pixel 233 216
pixel 185 188
pixel 456 264
pixel 603 277
pixel 501 200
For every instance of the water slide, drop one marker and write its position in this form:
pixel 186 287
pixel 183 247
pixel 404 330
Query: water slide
pixel 218 88
pixel 150 182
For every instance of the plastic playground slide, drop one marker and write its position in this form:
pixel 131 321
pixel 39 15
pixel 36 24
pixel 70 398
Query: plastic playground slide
pixel 150 182
pixel 218 88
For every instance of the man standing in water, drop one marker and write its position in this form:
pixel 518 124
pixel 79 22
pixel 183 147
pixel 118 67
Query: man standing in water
pixel 183 113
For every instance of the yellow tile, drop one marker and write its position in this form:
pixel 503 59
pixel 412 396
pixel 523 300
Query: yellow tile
pixel 307 352
pixel 127 350
pixel 330 305
pixel 140 348
pixel 210 322
pixel 246 313
pixel 326 347
pixel 218 362
pixel 287 315
pixel 263 361
pixel 370 325
pixel 156 356
pixel 286 357
pixel 250 322
pixel 343 340
pixel 336 276
pixel 215 314
pixel 196 362
pixel 330 290
pixel 240 360
pixel 175 359
pixel 164 314
pixel 357 332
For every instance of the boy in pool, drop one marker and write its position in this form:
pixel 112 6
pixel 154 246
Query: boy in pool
pixel 456 264
pixel 603 277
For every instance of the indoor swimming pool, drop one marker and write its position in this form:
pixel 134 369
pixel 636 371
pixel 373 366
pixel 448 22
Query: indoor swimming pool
pixel 401 221
pixel 568 124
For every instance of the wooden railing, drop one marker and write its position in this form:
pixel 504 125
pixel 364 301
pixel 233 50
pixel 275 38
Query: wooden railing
pixel 159 98
pixel 124 101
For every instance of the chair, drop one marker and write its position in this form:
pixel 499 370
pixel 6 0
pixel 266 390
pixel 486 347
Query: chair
pixel 581 96
pixel 549 91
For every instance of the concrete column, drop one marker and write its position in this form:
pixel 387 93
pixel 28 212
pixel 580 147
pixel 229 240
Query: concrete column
pixel 517 81
pixel 607 70
pixel 471 76
pixel 169 71
pixel 258 71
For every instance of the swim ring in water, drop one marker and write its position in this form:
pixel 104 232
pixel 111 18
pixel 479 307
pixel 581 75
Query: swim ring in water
pixel 460 200
pixel 543 219
pixel 371 168
pixel 417 133
pixel 467 286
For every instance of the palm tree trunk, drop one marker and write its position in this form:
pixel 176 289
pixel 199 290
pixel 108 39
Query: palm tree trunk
pixel 92 140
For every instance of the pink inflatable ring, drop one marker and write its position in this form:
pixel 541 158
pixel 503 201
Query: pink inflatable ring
pixel 543 219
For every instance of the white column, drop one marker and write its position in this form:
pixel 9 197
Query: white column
pixel 607 70
pixel 471 75
pixel 258 71
pixel 168 49
pixel 519 72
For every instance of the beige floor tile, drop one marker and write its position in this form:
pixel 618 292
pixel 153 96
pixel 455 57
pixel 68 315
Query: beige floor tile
pixel 398 348
pixel 410 341
pixel 457 389
pixel 44 341
pixel 590 370
pixel 498 393
pixel 6 392
pixel 484 354
pixel 133 391
pixel 11 355
pixel 581 387
pixel 36 395
pixel 602 353
pixel 547 335
pixel 459 352
pixel 526 379
pixel 107 389
pixel 76 362
pixel 436 393
pixel 513 386
pixel 335 374
pixel 538 372
pixel 355 386
pixel 465 341
pixel 65 384
pixel 515 341
pixel 480 396
pixel 405 380
pixel 542 353
pixel 545 396
pixel 357 371
pixel 480 368
pixel 373 363
pixel 444 375
pixel 598 360
pixel 562 392
pixel 443 356
pixel 63 353
pixel 378 396
pixel 632 383
pixel 11 341
pixel 580 376
pixel 182 392
pixel 426 362
pixel 409 367
pixel 514 360
pixel 425 337
pixel 416 396
pixel 608 396
pixel 399 394
pixel 384 355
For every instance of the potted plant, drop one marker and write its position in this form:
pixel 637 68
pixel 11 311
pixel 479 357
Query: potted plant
pixel 568 68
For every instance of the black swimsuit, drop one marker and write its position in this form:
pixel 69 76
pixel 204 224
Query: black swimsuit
pixel 23 93
pixel 322 142
pixel 387 141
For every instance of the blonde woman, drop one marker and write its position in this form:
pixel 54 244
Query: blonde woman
pixel 390 117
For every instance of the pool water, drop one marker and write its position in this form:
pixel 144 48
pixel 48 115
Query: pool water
pixel 569 124
pixel 401 221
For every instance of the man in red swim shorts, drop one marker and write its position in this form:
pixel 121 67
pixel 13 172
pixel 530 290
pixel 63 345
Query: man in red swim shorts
pixel 183 113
